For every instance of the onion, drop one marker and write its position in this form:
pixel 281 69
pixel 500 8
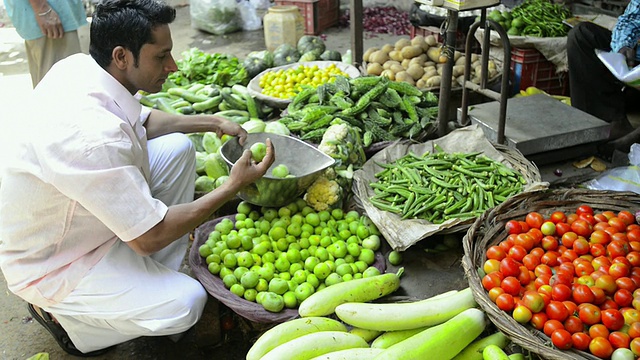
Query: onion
pixel 381 20
pixel 557 172
pixel 638 216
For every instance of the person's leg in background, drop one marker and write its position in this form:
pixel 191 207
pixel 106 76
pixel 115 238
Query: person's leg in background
pixel 43 52
pixel 594 89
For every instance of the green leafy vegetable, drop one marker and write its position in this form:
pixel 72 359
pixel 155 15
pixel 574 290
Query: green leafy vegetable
pixel 197 66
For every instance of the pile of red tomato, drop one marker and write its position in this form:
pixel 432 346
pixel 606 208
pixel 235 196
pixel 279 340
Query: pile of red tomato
pixel 574 276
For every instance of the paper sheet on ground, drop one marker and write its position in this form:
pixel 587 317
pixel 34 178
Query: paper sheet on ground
pixel 401 234
pixel 617 64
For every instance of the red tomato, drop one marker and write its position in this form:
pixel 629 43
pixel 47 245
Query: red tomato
pixel 511 285
pixel 522 314
pixel 552 325
pixel 492 280
pixel 496 252
pixel 588 218
pixel 608 214
pixel 517 252
pixel 634 257
pixel 582 227
pixel 626 283
pixel 586 280
pixel 599 294
pixel 571 218
pixel 600 347
pixel 618 270
pixel 541 280
pixel 548 228
pixel 534 220
pixel 634 330
pixel 562 228
pixel 622 260
pixel 538 320
pixel 537 252
pixel 580 341
pixel 599 237
pixel 607 283
pixel 550 258
pixel 583 268
pixel 537 236
pixel 509 267
pixel 581 246
pixel 598 250
pixel 617 224
pixel 601 263
pixel 599 330
pixel 584 209
pixel 568 238
pixel 633 234
pixel 558 216
pixel 556 310
pixel 612 319
pixel 627 217
pixel 623 297
pixel 562 339
pixel 601 225
pixel 543 269
pixel 573 324
pixel 618 339
pixel 533 300
pixel 609 304
pixel 549 243
pixel 513 227
pixel 561 292
pixel 505 302
pixel 617 248
pixel 524 277
pixel 525 227
pixel 530 261
pixel 589 313
pixel 582 294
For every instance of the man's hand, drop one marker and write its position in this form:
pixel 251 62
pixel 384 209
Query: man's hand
pixel 245 171
pixel 630 55
pixel 225 126
pixel 50 24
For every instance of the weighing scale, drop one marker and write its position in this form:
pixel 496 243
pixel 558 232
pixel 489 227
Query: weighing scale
pixel 542 128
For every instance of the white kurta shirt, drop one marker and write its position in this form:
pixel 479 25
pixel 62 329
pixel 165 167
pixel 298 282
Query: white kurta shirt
pixel 78 182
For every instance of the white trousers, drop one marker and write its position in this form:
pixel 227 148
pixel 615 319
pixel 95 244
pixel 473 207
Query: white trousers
pixel 125 295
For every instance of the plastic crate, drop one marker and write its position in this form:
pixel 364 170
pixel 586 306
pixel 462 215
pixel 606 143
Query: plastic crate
pixel 530 68
pixel 318 15
pixel 461 37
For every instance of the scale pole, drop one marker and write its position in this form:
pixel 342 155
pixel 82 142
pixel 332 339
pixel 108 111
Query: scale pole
pixel 447 70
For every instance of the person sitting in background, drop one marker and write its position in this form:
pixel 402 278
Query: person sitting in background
pixel 594 89
pixel 49 29
pixel 98 200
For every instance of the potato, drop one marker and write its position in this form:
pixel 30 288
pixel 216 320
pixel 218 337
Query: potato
pixel 395 55
pixel 389 74
pixel 429 73
pixel 405 77
pixel 388 64
pixel 491 65
pixel 379 57
pixel 461 60
pixel 492 73
pixel 433 81
pixel 421 84
pixel 475 57
pixel 456 55
pixel 429 62
pixel 387 48
pixel 411 51
pixel 431 40
pixel 401 43
pixel 374 69
pixel 417 40
pixel 457 70
pixel 396 68
pixel 405 63
pixel 416 71
pixel 434 54
pixel 367 54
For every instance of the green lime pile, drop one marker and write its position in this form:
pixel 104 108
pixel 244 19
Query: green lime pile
pixel 278 257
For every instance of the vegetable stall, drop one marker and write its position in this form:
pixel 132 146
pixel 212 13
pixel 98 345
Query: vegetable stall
pixel 389 241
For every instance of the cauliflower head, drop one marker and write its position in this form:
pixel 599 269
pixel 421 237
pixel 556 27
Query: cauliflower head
pixel 323 194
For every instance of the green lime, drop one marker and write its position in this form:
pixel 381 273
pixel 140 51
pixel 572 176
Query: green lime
pixel 313 219
pixel 214 268
pixel 333 279
pixel 245 259
pixel 229 280
pixel 322 270
pixel 205 250
pixel 224 271
pixel 344 269
pixel 353 249
pixel 313 280
pixel 367 255
pixel 214 236
pixel 361 265
pixel 266 273
pixel 371 242
pixel 294 229
pixel 213 258
pixel 230 260
pixel 263 285
pixel 278 286
pixel 303 291
pixel 290 300
pixel 237 289
pixel 250 294
pixel 306 211
pixel 300 203
pixel 347 277
pixel 249 279
pixel 233 241
pixel 310 263
pixel 322 254
pixel 371 271
pixel 239 271
pixel 339 249
pixel 300 276
pixel 272 302
pixel 395 258
pixel 282 264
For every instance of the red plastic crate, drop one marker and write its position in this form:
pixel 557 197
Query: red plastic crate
pixel 530 68
pixel 435 31
pixel 318 15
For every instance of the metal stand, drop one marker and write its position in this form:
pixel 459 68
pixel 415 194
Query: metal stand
pixel 445 85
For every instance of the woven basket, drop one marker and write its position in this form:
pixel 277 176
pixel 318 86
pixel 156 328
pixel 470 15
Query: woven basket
pixel 489 229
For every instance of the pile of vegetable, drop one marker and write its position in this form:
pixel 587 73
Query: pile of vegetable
pixel 538 18
pixel 446 326
pixel 381 20
pixel 197 66
pixel 278 257
pixel 440 186
pixel 285 84
pixel 572 275
pixel 211 169
pixel 420 61
pixel 383 110
pixel 532 90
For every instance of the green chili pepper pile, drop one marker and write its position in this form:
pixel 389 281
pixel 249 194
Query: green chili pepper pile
pixel 440 186
pixel 540 18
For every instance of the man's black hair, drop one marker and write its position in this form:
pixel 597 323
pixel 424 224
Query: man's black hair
pixel 126 23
